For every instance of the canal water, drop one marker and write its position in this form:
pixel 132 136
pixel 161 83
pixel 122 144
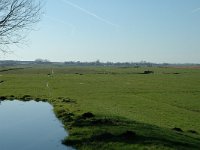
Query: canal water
pixel 30 126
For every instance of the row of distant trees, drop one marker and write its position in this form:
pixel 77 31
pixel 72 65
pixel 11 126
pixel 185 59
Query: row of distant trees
pixel 93 63
pixel 118 64
pixel 99 63
pixel 40 60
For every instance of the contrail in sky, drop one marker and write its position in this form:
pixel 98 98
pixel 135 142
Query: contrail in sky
pixel 89 13
pixel 196 10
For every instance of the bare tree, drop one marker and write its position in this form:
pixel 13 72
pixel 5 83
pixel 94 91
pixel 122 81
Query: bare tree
pixel 16 18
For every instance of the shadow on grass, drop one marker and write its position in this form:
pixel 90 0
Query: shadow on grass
pixel 107 130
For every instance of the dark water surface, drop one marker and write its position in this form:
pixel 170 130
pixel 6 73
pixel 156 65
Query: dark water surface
pixel 30 126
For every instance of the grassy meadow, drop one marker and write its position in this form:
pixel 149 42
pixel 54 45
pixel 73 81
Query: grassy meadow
pixel 115 107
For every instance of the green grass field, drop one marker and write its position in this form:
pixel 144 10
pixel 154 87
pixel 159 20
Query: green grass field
pixel 131 110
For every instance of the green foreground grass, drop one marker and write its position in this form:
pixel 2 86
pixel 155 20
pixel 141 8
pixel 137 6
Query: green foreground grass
pixel 128 109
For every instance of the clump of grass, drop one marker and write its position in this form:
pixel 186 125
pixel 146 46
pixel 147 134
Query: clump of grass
pixel 87 115
pixel 177 129
pixel 192 131
pixel 64 114
pixel 66 100
pixel 26 98
pixel 2 98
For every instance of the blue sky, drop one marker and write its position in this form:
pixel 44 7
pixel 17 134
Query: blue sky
pixel 115 30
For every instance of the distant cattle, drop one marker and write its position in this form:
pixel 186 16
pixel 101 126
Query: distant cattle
pixel 148 72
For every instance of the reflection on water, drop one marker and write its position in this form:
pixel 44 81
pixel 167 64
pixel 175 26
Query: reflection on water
pixel 30 126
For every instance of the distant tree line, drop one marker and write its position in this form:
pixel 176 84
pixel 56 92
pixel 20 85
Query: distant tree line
pixel 122 64
pixel 40 61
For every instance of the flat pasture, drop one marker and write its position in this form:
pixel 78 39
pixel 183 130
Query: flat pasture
pixel 127 108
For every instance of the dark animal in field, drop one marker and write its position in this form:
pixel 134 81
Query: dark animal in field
pixel 148 72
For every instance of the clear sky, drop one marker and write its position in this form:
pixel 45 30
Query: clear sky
pixel 115 30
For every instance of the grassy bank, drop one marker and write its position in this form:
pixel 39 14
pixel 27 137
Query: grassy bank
pixel 127 108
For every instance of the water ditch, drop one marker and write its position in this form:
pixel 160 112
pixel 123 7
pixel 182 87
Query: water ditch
pixel 30 126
